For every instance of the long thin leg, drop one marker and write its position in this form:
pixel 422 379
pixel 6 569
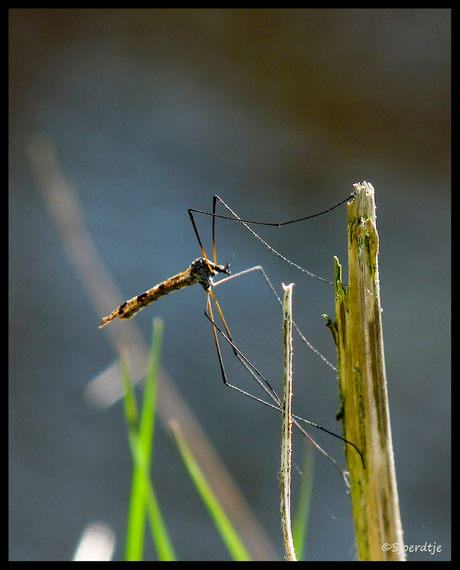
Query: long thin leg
pixel 214 227
pixel 199 239
pixel 257 375
pixel 250 367
pixel 257 236
pixel 244 222
pixel 195 229
pixel 274 224
pixel 261 269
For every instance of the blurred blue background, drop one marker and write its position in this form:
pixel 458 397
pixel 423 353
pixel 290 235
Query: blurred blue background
pixel 278 112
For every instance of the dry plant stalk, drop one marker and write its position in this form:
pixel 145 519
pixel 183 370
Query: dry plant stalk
pixel 363 388
pixel 286 444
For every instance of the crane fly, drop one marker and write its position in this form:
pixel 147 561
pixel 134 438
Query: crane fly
pixel 203 271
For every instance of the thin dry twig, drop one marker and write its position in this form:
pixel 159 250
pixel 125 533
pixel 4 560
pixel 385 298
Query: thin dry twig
pixel 286 444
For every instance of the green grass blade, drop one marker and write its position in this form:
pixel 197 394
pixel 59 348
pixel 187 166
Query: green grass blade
pixel 300 526
pixel 226 530
pixel 143 498
pixel 139 492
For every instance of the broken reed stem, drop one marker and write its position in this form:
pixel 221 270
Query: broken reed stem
pixel 286 444
pixel 363 389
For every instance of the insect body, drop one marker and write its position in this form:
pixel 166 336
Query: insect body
pixel 200 271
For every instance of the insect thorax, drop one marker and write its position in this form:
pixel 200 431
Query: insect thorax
pixel 206 270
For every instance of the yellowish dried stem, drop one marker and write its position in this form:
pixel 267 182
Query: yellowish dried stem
pixel 363 388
